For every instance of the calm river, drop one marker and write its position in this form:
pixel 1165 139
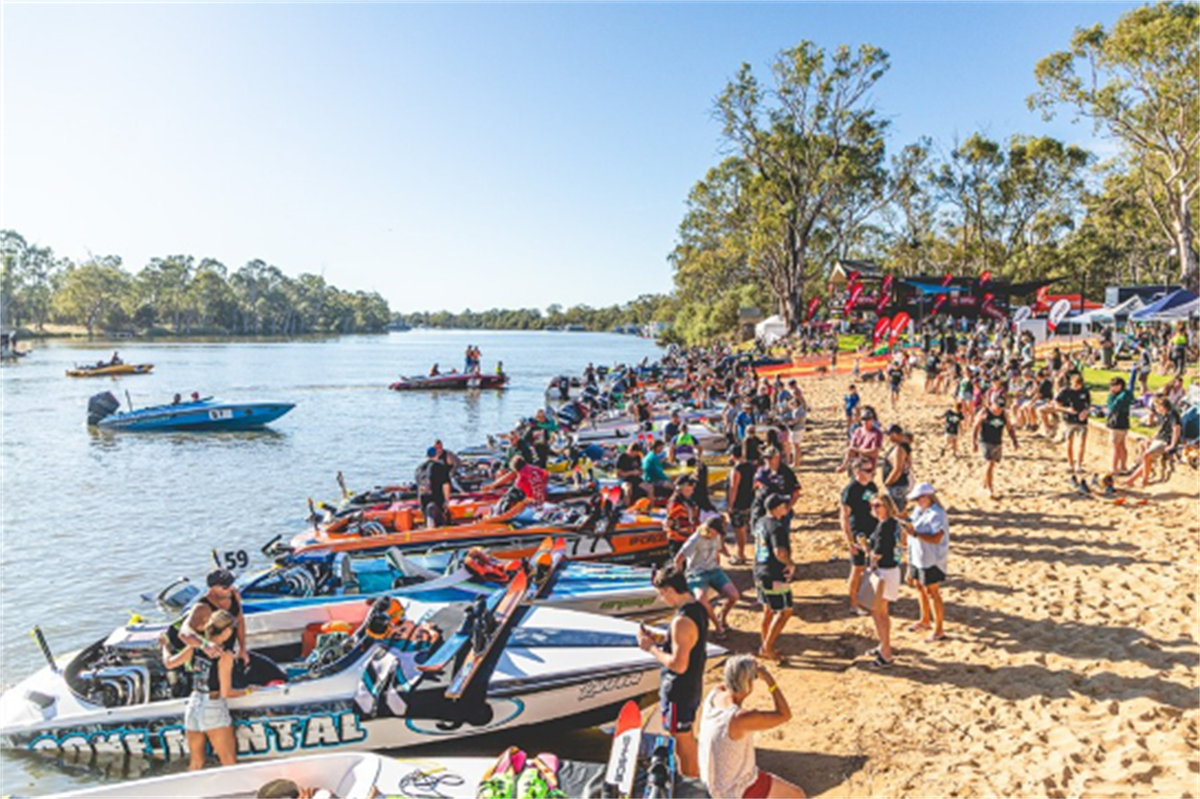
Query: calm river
pixel 91 521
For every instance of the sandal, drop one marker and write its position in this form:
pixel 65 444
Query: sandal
pixel 917 627
pixel 933 639
pixel 882 663
pixel 872 652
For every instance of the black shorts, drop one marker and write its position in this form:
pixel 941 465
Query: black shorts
pixel 674 546
pixel 928 576
pixel 775 595
pixel 739 518
pixel 859 558
pixel 677 717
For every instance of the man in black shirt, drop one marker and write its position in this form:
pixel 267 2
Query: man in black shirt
pixel 1074 403
pixel 773 569
pixel 629 472
pixel 857 520
pixel 682 654
pixel 433 488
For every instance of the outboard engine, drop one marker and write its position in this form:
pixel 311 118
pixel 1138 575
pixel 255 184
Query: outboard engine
pixel 102 406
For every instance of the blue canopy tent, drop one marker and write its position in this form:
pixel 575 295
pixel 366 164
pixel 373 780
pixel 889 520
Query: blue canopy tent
pixel 1162 307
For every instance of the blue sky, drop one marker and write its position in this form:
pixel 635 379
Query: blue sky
pixel 448 155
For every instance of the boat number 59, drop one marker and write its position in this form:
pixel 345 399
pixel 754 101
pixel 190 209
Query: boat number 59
pixel 221 413
pixel 236 560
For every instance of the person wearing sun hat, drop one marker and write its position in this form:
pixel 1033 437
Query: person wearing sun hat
pixel 926 538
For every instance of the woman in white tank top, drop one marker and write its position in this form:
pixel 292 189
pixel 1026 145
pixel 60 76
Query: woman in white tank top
pixel 727 760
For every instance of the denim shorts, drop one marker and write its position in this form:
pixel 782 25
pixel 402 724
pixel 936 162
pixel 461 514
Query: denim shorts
pixel 712 578
pixel 205 713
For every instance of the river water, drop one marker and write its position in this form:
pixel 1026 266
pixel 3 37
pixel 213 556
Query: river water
pixel 91 521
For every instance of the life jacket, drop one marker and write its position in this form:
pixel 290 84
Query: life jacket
pixel 486 568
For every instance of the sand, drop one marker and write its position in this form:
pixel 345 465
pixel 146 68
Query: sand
pixel 1070 666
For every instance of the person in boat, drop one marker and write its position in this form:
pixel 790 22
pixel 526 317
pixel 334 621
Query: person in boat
pixel 434 372
pixel 195 396
pixel 207 719
pixel 178 399
pixel 116 360
pixel 652 468
pixel 529 479
pixel 682 655
pixel 683 517
pixel 499 368
pixel 726 747
pixel 629 472
pixel 221 595
pixel 433 488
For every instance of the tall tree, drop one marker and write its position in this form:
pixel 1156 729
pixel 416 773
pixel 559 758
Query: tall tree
pixel 1140 84
pixel 92 293
pixel 815 145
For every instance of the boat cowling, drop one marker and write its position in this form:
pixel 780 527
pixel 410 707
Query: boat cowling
pixel 102 406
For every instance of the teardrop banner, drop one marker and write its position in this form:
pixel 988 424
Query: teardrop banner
pixel 885 293
pixel 899 322
pixel 1021 314
pixel 813 305
pixel 984 279
pixel 1058 313
pixel 855 292
pixel 882 326
pixel 938 303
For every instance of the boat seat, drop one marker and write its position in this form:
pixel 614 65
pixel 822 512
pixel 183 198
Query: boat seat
pixel 348 578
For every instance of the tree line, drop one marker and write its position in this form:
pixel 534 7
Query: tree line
pixel 807 179
pixel 176 294
pixel 646 308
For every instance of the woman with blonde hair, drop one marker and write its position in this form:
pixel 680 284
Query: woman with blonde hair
pixel 880 548
pixel 207 718
pixel 728 765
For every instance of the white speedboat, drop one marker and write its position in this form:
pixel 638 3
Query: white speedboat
pixel 352 692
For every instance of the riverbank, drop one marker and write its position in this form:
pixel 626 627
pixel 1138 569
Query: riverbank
pixel 1071 662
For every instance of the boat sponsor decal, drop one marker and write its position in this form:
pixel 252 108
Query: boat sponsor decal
pixel 429 783
pixel 618 682
pixel 500 711
pixel 641 540
pixel 220 413
pixel 255 736
pixel 626 604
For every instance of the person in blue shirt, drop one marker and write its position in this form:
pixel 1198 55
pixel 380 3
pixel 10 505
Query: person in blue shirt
pixel 652 466
pixel 743 420
pixel 850 402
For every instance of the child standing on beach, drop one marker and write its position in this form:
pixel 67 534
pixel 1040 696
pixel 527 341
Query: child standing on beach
pixel 700 555
pixel 850 402
pixel 954 419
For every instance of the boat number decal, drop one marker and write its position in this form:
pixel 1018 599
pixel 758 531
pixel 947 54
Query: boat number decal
pixel 255 736
pixel 423 784
pixel 220 413
pixel 236 560
pixel 621 681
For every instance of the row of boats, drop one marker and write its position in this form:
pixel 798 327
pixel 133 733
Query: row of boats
pixel 509 615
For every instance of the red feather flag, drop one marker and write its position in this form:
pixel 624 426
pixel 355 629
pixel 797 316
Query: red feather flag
pixel 885 290
pixel 813 305
pixel 881 327
pixel 938 303
pixel 899 322
pixel 984 279
pixel 948 279
pixel 855 292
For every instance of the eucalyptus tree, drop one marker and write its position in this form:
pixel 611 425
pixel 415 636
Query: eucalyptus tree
pixel 1139 83
pixel 94 293
pixel 815 147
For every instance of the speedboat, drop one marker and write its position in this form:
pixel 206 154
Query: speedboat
pixel 337 685
pixel 596 531
pixel 111 370
pixel 454 380
pixel 204 414
pixel 324 576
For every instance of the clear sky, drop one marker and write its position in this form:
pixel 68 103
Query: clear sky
pixel 447 155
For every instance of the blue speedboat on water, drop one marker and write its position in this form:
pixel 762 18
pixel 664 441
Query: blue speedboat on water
pixel 203 414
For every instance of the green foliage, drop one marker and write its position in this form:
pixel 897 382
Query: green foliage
pixel 1139 84
pixel 644 309
pixel 178 294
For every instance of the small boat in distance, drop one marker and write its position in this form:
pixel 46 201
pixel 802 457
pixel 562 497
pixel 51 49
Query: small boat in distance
pixel 111 370
pixel 453 380
pixel 204 414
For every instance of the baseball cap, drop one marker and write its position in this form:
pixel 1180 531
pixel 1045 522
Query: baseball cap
pixel 922 490
pixel 221 577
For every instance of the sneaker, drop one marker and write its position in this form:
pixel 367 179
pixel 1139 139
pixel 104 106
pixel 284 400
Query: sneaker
pixel 880 662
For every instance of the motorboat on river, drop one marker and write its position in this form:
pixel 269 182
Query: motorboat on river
pixel 202 414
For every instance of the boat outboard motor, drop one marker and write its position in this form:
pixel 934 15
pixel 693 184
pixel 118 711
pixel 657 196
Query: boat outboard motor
pixel 102 406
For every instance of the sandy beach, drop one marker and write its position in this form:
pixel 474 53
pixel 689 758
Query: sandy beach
pixel 1070 666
